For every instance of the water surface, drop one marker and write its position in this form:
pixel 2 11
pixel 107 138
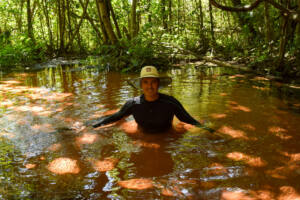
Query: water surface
pixel 46 153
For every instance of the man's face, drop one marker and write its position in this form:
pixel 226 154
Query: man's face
pixel 149 86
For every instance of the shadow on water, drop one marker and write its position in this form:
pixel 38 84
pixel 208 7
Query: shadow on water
pixel 47 153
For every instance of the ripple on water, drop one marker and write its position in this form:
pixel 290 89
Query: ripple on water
pixel 254 119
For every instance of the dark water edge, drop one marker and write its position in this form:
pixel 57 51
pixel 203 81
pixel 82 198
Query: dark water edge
pixel 92 61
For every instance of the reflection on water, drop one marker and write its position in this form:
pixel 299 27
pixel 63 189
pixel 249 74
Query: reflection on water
pixel 47 153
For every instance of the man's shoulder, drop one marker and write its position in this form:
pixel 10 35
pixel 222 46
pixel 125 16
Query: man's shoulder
pixel 134 100
pixel 131 102
pixel 165 96
pixel 168 98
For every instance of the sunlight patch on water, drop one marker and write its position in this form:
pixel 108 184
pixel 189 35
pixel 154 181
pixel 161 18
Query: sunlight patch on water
pixel 136 184
pixel 180 188
pixel 294 86
pixel 250 160
pixel 261 88
pixel 55 147
pixel 130 127
pixel 288 193
pixel 104 165
pixel 280 132
pixel 290 168
pixel 260 78
pixel 285 193
pixel 237 76
pixel 249 127
pixel 86 138
pixel 216 169
pixel 63 166
pixel 223 94
pixel 218 115
pixel 227 130
pixel 47 128
pixel 246 195
pixel 140 143
pixel 30 166
pixel 235 106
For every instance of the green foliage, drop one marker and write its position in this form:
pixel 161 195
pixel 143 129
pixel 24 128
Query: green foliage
pixel 21 50
pixel 131 55
pixel 188 28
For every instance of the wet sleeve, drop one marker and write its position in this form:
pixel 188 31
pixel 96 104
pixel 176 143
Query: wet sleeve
pixel 123 112
pixel 182 114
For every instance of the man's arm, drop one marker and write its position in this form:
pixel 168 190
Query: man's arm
pixel 184 116
pixel 123 112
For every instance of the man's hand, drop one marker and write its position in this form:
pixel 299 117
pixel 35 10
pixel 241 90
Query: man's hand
pixel 96 125
pixel 209 129
pixel 206 128
pixel 78 127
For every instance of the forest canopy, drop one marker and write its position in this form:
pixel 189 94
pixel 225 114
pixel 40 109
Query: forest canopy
pixel 264 34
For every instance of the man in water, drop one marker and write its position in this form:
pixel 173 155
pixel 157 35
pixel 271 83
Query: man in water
pixel 153 111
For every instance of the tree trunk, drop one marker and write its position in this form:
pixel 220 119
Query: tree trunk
pixel 46 13
pixel 62 24
pixel 138 22
pixel 105 35
pixel 183 15
pixel 297 34
pixel 106 21
pixel 133 21
pixel 164 14
pixel 76 32
pixel 170 16
pixel 42 26
pixel 69 21
pixel 63 30
pixel 79 43
pixel 29 21
pixel 212 32
pixel 268 33
pixel 19 16
pixel 114 19
pixel 178 16
pixel 126 33
pixel 244 20
pixel 149 11
pixel 200 18
pixel 96 29
pixel 283 41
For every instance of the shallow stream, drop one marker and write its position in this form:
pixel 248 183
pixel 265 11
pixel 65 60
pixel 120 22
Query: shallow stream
pixel 47 153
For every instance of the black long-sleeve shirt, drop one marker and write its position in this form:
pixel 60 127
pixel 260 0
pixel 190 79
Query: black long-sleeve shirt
pixel 154 116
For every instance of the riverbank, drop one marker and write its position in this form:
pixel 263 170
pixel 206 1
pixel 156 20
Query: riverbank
pixel 125 64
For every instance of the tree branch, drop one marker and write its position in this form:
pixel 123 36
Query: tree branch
pixel 236 9
pixel 280 7
pixel 294 15
pixel 92 22
pixel 84 7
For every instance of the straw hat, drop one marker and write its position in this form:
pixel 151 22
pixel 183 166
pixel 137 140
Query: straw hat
pixel 150 71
